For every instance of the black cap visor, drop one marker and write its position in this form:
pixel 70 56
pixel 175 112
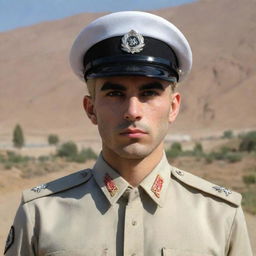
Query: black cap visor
pixel 131 66
pixel 132 70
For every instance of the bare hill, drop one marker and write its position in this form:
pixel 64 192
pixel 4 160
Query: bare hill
pixel 39 91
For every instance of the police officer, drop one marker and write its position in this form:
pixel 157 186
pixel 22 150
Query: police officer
pixel 132 202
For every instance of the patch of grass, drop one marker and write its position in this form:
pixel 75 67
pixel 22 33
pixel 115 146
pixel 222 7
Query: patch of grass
pixel 249 201
pixel 249 179
pixel 8 166
pixel 2 158
pixel 40 169
pixel 32 172
pixel 44 158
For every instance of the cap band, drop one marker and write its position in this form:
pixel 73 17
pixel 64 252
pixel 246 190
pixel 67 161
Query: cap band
pixel 108 55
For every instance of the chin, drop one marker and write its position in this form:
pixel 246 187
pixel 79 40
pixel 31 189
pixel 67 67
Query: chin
pixel 134 152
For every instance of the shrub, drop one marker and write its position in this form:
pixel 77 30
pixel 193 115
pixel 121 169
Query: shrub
pixel 198 148
pixel 224 154
pixel 68 149
pixel 228 134
pixel 53 139
pixel 8 166
pixel 249 179
pixel 233 157
pixel 248 142
pixel 174 151
pixel 176 146
pixel 209 158
pixel 12 157
pixel 43 158
pixel 2 159
pixel 84 155
pixel 18 137
pixel 88 153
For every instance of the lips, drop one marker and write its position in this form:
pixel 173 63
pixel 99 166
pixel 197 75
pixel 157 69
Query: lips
pixel 133 133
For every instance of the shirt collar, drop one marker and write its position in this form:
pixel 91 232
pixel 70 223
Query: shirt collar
pixel 155 184
pixel 109 181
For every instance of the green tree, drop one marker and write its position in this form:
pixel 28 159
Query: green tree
pixel 18 137
pixel 53 139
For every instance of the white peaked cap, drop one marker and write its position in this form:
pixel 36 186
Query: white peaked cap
pixel 120 23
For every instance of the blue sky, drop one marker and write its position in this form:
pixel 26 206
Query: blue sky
pixel 19 13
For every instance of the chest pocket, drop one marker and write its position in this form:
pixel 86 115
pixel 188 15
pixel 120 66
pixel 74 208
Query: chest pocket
pixel 178 252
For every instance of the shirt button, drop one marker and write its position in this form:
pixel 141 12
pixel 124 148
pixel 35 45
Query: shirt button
pixel 179 172
pixel 134 222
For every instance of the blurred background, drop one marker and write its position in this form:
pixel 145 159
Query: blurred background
pixel 45 134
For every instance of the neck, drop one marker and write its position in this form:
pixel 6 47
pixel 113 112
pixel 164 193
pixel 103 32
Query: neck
pixel 133 170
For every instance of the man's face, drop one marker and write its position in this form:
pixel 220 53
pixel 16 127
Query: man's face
pixel 132 113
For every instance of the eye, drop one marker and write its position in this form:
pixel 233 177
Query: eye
pixel 149 93
pixel 115 94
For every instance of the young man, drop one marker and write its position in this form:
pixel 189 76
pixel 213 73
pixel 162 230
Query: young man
pixel 132 202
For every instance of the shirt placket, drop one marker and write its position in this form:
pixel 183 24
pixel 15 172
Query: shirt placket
pixel 133 225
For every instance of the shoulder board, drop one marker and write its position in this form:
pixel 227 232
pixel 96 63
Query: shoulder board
pixel 207 187
pixel 56 186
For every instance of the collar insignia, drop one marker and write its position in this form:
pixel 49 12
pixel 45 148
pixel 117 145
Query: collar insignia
pixel 110 184
pixel 39 188
pixel 132 42
pixel 222 189
pixel 157 186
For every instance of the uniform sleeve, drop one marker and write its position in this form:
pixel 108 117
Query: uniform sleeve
pixel 20 241
pixel 239 242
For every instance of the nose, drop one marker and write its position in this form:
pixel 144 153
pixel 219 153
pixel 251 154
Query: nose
pixel 133 110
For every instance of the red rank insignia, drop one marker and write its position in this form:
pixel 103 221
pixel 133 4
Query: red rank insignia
pixel 110 184
pixel 157 186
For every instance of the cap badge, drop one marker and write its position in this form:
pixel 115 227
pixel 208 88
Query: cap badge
pixel 222 189
pixel 157 186
pixel 110 184
pixel 132 42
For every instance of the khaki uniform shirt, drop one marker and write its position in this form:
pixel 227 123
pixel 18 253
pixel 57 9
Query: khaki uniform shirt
pixel 96 212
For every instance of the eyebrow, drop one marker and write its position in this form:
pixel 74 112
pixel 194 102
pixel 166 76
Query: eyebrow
pixel 111 86
pixel 150 86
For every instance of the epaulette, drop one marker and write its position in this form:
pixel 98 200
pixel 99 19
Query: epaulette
pixel 56 186
pixel 200 184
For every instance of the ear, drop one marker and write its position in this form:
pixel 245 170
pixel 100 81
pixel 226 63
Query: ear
pixel 175 106
pixel 89 109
